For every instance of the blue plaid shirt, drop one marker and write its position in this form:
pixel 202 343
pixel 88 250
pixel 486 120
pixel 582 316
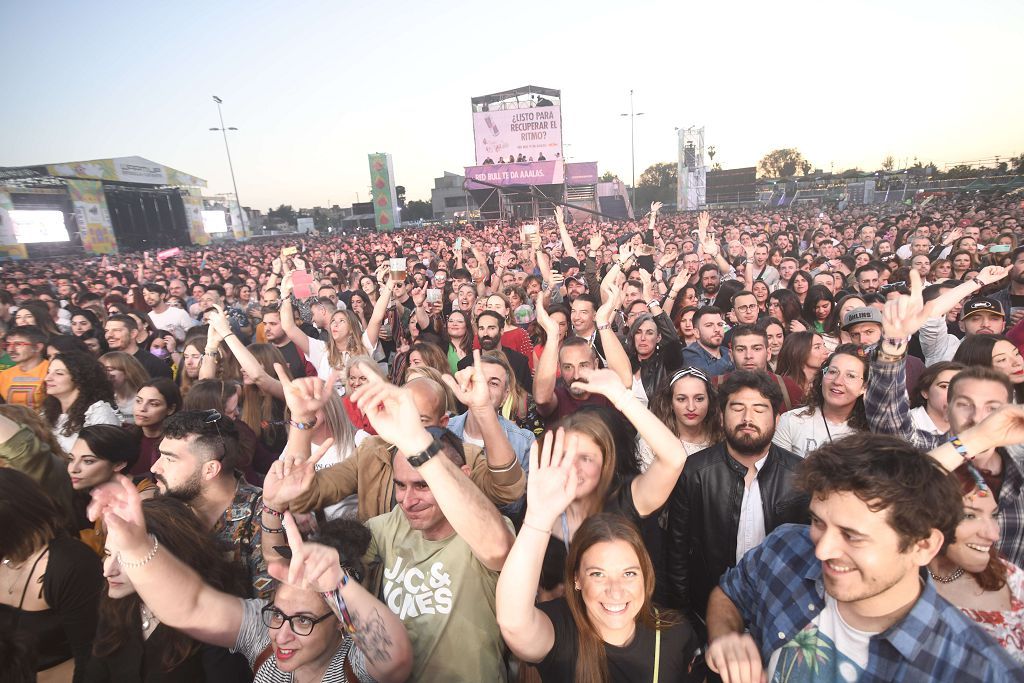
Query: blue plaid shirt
pixel 888 411
pixel 778 589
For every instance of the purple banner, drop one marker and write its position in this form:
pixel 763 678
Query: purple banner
pixel 581 173
pixel 533 173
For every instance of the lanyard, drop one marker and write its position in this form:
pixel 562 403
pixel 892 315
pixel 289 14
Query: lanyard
pixel 657 645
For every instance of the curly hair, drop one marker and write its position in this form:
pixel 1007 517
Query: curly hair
pixel 90 379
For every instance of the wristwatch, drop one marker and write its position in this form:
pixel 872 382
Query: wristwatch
pixel 426 454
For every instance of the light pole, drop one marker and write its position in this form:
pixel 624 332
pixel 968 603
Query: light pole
pixel 224 131
pixel 632 146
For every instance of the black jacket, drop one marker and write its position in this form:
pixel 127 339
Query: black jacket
pixel 704 515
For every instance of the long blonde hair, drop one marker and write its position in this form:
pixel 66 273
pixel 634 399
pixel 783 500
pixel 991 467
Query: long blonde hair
pixel 134 374
pixel 338 357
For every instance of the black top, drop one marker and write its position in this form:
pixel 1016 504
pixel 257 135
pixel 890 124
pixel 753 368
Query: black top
pixel 296 363
pixel 141 661
pixel 154 366
pixel 633 663
pixel 71 587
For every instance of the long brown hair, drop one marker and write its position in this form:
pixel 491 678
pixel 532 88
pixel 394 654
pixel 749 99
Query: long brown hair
pixel 590 424
pixel 257 406
pixel 135 374
pixel 336 356
pixel 591 660
pixel 180 532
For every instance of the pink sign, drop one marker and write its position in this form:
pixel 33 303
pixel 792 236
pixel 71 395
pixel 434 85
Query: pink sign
pixel 507 175
pixel 168 253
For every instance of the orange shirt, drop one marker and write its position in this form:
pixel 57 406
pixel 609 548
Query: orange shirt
pixel 24 388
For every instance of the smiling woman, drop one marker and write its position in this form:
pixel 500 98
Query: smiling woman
pixel 606 628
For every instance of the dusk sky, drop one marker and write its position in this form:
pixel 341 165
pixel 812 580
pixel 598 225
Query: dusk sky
pixel 315 86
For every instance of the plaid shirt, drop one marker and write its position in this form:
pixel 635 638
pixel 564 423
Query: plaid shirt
pixel 888 411
pixel 778 588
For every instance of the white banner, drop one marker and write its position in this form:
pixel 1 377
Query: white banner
pixel 534 133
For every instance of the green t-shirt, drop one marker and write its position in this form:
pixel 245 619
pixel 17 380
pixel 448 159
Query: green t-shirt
pixel 445 598
pixel 6 362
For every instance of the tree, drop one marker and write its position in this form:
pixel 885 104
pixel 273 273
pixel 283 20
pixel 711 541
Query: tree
pixel 283 213
pixel 888 163
pixel 1017 163
pixel 416 210
pixel 806 167
pixel 851 173
pixel 780 163
pixel 657 184
pixel 608 177
pixel 400 195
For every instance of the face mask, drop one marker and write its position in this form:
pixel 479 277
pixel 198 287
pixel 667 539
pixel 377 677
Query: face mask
pixel 159 353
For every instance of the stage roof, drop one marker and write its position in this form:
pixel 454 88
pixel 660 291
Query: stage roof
pixel 516 92
pixel 119 169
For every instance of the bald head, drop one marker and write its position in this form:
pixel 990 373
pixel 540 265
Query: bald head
pixel 430 400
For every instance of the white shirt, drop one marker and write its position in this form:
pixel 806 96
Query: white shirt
pixel 99 413
pixel 802 430
pixel 174 320
pixel 751 529
pixel 924 422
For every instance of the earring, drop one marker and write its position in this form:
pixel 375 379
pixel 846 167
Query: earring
pixel 577 586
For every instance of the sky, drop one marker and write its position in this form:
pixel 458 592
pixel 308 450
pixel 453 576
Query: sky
pixel 313 87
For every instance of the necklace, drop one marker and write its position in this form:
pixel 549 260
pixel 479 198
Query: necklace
pixel 957 573
pixel 148 618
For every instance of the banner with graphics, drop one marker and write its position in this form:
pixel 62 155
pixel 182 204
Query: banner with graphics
pixel 193 202
pixel 382 188
pixel 9 247
pixel 92 216
pixel 505 135
pixel 125 169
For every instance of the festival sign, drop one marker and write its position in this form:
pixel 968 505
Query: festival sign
pixel 382 192
pixel 537 173
pixel 581 173
pixel 92 216
pixel 9 247
pixel 505 134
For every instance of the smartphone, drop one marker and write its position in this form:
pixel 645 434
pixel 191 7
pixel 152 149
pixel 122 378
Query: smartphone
pixel 458 244
pixel 433 295
pixel 288 251
pixel 646 261
pixel 999 248
pixel 529 229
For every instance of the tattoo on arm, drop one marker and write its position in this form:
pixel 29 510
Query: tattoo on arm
pixel 372 637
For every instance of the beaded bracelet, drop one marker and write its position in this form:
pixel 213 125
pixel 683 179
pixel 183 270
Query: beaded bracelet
pixel 145 560
pixel 272 511
pixel 961 449
pixel 270 530
pixel 337 604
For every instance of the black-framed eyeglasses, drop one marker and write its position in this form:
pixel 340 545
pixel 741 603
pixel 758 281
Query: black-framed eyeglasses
pixel 301 624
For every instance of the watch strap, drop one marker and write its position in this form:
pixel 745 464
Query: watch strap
pixel 426 454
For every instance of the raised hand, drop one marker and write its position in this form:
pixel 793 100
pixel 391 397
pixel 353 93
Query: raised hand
pixel 312 566
pixel 596 241
pixel 656 207
pixel 291 476
pixel 419 296
pixel 552 483
pixel 219 322
pixel 604 381
pixel 612 301
pixel 904 315
pixel 559 216
pixel 119 505
pixel 392 412
pixel 305 396
pixel 1003 427
pixel 545 321
pixel 953 236
pixel 703 223
pixel 991 274
pixel 470 384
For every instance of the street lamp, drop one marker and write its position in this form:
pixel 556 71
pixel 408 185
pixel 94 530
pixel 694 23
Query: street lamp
pixel 224 131
pixel 632 146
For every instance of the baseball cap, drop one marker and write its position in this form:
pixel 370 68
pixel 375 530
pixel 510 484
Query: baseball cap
pixel 576 278
pixel 981 304
pixel 862 314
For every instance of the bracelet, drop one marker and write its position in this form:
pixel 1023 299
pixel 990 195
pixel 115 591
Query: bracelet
pixel 271 511
pixel 229 334
pixel 337 604
pixel 536 528
pixel 961 449
pixel 270 530
pixel 303 425
pixel 505 468
pixel 652 303
pixel 125 564
pixel 604 326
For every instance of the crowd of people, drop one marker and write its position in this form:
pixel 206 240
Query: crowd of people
pixel 750 445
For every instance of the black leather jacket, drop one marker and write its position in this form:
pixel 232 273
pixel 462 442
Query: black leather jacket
pixel 704 515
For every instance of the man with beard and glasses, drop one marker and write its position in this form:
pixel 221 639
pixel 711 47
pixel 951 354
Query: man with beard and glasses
pixel 1011 297
pixel 198 456
pixel 732 494
pixel 845 598
pixel 489 325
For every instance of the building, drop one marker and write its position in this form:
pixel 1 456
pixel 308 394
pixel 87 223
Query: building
pixel 449 197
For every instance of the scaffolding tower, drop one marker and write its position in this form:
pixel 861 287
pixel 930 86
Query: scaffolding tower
pixel 692 174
